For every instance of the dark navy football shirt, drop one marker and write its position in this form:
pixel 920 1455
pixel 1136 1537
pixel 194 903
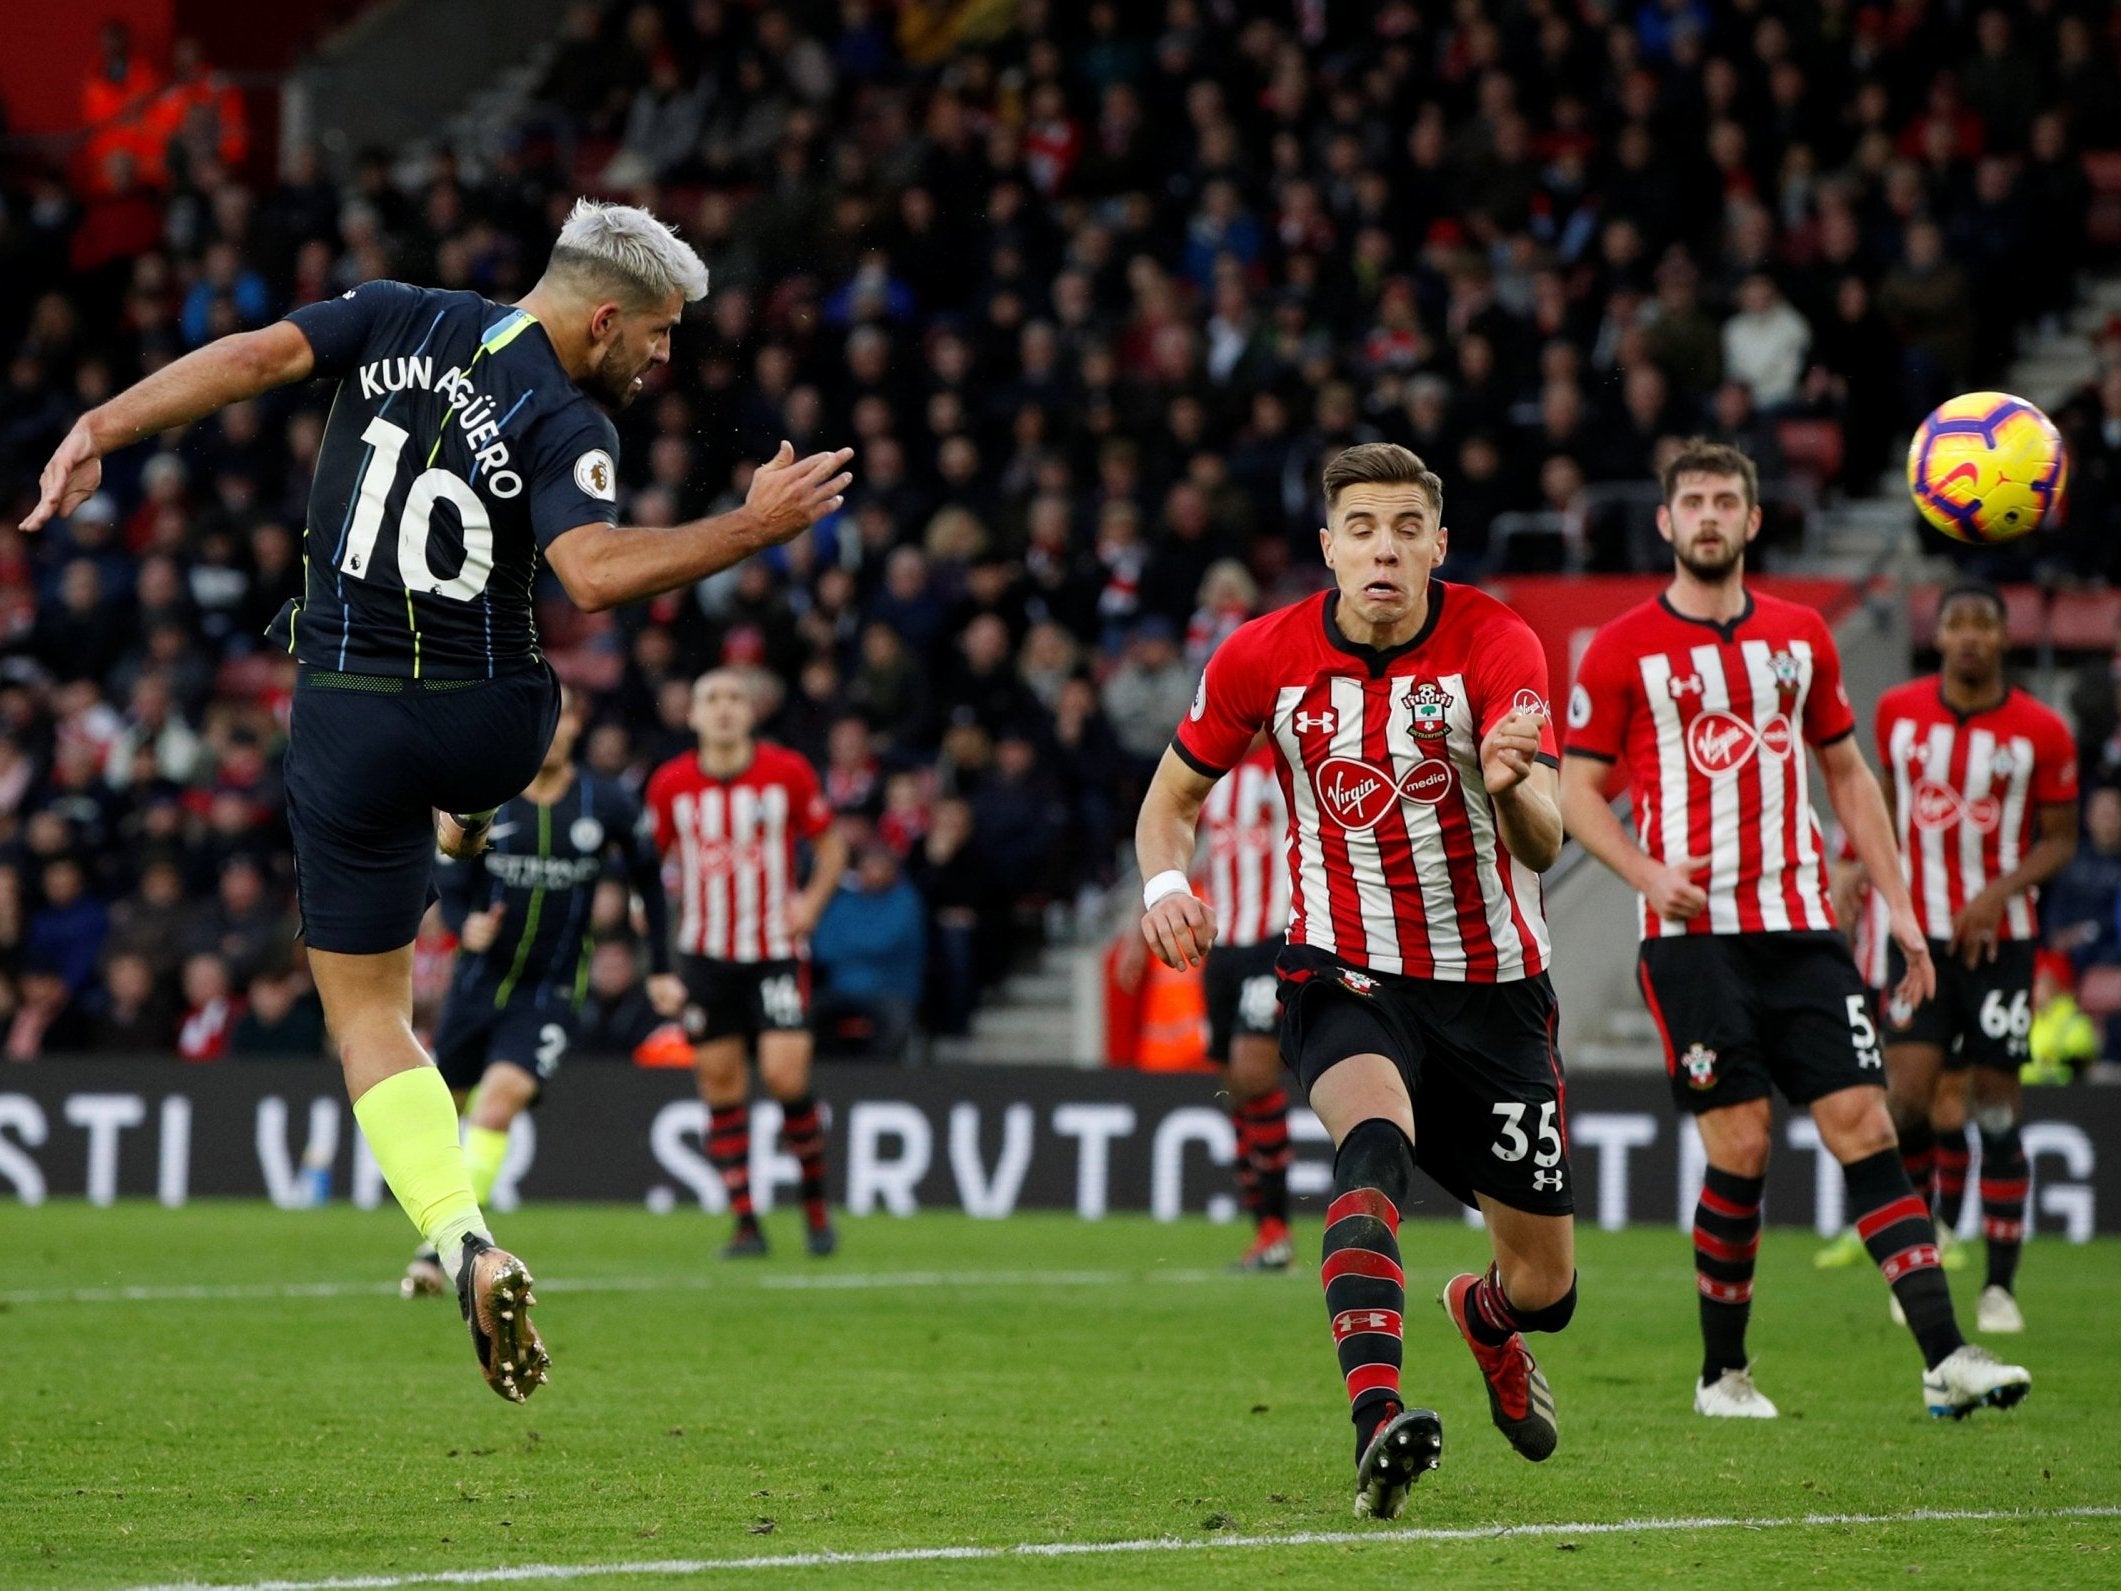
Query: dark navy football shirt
pixel 457 448
pixel 543 862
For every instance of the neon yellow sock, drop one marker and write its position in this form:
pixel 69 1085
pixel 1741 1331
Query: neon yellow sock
pixel 411 1126
pixel 484 1150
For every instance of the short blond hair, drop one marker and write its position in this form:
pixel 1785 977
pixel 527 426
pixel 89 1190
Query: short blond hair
pixel 623 248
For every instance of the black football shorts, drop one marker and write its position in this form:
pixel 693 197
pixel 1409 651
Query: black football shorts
pixel 742 999
pixel 1478 1060
pixel 370 759
pixel 1979 1016
pixel 1244 997
pixel 475 1033
pixel 1745 1014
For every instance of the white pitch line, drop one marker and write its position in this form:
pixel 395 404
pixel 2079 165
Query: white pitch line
pixel 177 1293
pixel 1381 1536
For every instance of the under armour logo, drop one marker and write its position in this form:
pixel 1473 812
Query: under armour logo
pixel 1351 1321
pixel 1683 685
pixel 1306 722
pixel 1547 1181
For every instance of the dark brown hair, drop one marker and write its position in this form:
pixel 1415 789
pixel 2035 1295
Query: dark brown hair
pixel 1382 464
pixel 1699 456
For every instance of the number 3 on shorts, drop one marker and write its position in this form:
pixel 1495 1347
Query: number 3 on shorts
pixel 1864 1035
pixel 1512 1145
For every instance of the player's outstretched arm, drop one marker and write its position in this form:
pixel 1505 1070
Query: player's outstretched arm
pixel 208 379
pixel 603 566
pixel 1673 891
pixel 1178 924
pixel 1860 805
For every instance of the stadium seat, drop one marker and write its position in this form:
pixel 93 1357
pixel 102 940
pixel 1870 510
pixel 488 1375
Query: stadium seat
pixel 2085 621
pixel 1812 449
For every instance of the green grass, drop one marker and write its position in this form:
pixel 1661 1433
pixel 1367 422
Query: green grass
pixel 242 1439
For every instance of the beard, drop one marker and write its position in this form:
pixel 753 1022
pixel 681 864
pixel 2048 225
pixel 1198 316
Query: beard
pixel 1710 566
pixel 612 380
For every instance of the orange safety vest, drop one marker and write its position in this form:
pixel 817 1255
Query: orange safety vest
pixel 1171 1029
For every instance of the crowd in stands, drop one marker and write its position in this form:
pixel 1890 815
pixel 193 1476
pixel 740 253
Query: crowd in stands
pixel 1094 289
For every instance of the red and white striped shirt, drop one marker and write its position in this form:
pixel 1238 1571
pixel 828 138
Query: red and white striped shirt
pixel 734 844
pixel 1246 822
pixel 1396 863
pixel 1967 789
pixel 1710 722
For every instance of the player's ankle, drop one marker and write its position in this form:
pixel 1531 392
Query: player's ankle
pixel 1370 1418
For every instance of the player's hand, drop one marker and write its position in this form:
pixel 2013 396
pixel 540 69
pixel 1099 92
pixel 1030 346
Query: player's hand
pixel 666 992
pixel 1975 927
pixel 1672 891
pixel 803 914
pixel 481 929
pixel 69 480
pixel 788 495
pixel 1179 928
pixel 1921 979
pixel 1507 754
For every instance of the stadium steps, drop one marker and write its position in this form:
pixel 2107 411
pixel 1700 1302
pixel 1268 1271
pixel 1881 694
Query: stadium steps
pixel 2060 360
pixel 1038 1017
pixel 414 77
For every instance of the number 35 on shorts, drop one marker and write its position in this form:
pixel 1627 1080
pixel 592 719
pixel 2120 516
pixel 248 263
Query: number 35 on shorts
pixel 1512 1143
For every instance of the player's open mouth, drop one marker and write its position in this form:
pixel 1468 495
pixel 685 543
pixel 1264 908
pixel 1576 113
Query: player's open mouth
pixel 1381 588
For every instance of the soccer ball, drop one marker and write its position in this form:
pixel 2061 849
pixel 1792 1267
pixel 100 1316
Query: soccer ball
pixel 1986 466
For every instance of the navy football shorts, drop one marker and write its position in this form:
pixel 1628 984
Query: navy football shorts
pixel 370 759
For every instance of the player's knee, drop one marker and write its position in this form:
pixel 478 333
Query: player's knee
pixel 1909 1114
pixel 1996 1119
pixel 1862 1136
pixel 1742 1154
pixel 1376 1154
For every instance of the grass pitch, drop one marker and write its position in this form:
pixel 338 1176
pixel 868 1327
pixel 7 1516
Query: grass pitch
pixel 231 1394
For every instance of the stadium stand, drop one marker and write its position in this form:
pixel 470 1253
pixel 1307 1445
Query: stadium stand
pixel 1095 290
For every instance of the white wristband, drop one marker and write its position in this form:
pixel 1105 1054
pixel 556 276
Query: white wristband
pixel 1169 882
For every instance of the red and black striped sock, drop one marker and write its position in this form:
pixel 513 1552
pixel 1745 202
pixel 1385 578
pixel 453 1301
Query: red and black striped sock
pixel 1488 1313
pixel 804 1134
pixel 2003 1188
pixel 1244 1168
pixel 1265 1125
pixel 1726 1244
pixel 1918 1154
pixel 1896 1228
pixel 1494 1320
pixel 1366 1297
pixel 729 1152
pixel 1952 1156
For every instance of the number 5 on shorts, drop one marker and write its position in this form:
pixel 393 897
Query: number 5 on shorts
pixel 1864 1035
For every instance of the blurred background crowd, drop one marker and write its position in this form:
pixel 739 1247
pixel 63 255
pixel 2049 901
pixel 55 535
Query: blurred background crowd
pixel 1094 289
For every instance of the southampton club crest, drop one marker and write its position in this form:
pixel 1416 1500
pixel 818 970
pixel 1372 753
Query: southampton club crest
pixel 1789 674
pixel 1428 703
pixel 1700 1064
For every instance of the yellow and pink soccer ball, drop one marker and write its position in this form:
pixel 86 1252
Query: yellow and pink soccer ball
pixel 1987 467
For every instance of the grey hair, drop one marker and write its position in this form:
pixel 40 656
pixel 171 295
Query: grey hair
pixel 622 245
